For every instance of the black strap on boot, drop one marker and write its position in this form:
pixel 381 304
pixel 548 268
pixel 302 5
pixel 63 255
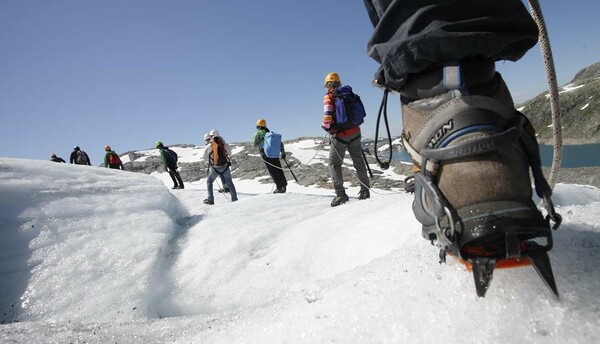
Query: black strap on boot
pixel 383 110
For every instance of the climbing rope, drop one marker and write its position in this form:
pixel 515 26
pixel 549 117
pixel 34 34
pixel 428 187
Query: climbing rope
pixel 355 175
pixel 320 148
pixel 536 13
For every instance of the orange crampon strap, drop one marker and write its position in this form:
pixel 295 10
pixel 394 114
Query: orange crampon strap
pixel 505 263
pixel 508 263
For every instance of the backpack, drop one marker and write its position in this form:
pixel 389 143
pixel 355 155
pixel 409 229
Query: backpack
pixel 170 155
pixel 81 158
pixel 349 109
pixel 113 159
pixel 272 145
pixel 219 154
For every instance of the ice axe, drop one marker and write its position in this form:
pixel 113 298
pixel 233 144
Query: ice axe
pixel 289 168
pixel 366 163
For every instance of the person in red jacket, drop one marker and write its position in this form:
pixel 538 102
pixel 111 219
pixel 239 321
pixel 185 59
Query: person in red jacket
pixel 342 140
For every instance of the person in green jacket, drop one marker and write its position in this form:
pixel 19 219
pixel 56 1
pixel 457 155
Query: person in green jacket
pixel 273 164
pixel 112 159
pixel 169 160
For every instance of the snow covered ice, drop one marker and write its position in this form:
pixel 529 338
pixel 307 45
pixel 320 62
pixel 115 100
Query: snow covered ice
pixel 90 254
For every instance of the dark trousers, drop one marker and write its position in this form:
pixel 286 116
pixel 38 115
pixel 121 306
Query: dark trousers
pixel 413 36
pixel 177 182
pixel 274 167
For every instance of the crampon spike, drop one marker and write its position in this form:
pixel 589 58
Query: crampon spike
pixel 483 271
pixel 541 263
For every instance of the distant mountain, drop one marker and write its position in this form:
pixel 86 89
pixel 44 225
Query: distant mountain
pixel 579 107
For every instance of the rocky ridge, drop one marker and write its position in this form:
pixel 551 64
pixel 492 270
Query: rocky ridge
pixel 247 164
pixel 579 103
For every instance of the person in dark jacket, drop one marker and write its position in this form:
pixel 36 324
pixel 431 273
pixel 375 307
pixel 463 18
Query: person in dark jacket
pixel 79 157
pixel 170 164
pixel 54 158
pixel 112 159
pixel 273 164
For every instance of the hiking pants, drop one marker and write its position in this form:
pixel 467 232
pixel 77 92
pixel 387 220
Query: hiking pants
pixel 336 156
pixel 225 172
pixel 411 37
pixel 177 182
pixel 275 170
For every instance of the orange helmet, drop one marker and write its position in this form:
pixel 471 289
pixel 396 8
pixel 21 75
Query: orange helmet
pixel 331 79
pixel 261 123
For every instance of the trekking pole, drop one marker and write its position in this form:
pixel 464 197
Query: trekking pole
pixel 289 168
pixel 366 162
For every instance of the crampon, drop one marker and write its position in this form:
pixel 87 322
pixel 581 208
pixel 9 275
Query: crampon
pixel 482 261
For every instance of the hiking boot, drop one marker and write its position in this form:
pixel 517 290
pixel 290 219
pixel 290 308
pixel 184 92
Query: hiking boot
pixel 472 151
pixel 364 194
pixel 224 190
pixel 341 199
pixel 209 202
pixel 280 190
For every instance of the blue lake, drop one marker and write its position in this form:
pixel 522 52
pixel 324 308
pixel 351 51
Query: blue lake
pixel 573 156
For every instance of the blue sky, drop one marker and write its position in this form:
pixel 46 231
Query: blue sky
pixel 129 73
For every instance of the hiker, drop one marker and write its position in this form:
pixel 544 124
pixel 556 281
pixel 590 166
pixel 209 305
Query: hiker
pixel 54 158
pixel 217 154
pixel 79 157
pixel 207 138
pixel 273 164
pixel 471 150
pixel 112 159
pixel 343 137
pixel 169 160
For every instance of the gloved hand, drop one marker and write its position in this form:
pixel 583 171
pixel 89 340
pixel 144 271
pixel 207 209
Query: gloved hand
pixel 283 155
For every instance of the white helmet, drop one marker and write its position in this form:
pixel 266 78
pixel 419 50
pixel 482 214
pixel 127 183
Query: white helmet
pixel 206 136
pixel 214 133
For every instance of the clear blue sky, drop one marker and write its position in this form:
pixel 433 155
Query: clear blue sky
pixel 128 73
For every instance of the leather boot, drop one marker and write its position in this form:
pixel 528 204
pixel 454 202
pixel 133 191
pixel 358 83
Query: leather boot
pixel 472 152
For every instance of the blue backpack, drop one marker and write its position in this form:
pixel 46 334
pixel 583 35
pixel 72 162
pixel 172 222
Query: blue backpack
pixel 272 145
pixel 349 109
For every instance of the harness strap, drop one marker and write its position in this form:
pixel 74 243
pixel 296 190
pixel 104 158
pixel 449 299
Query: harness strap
pixel 346 142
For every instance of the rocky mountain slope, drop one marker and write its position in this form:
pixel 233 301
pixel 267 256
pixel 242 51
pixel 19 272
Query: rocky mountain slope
pixel 579 107
pixel 247 164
